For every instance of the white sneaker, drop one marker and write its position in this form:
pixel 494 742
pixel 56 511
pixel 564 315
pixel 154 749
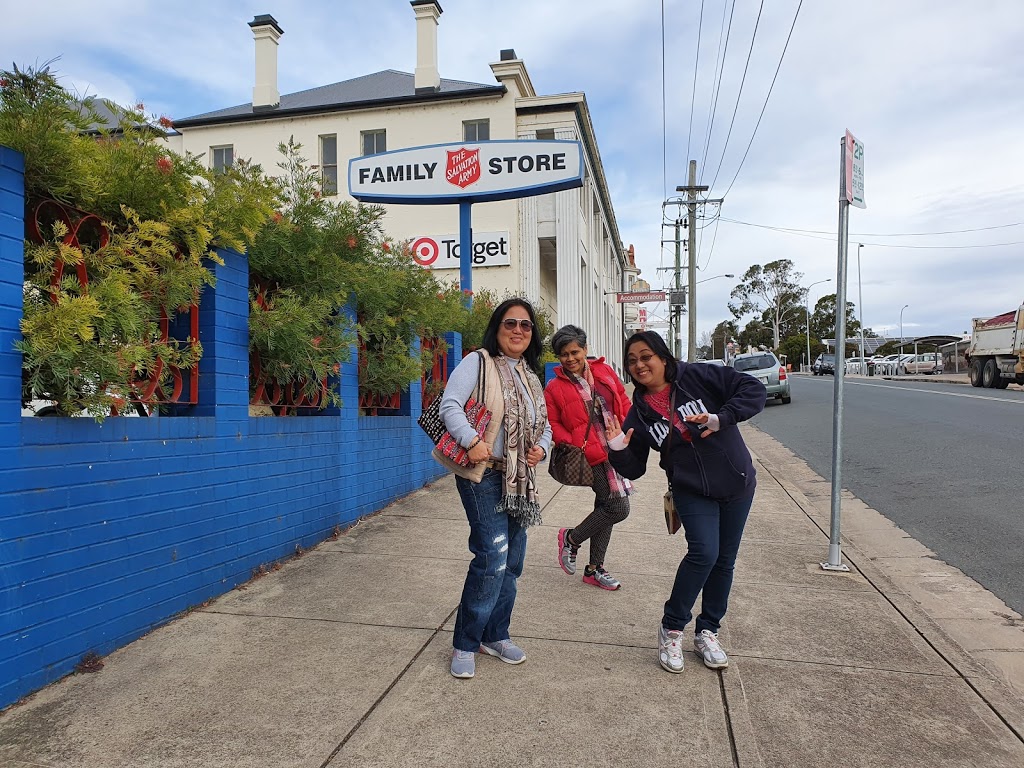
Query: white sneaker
pixel 707 646
pixel 670 653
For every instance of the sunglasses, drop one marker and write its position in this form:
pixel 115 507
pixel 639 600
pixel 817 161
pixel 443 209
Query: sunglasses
pixel 631 362
pixel 510 324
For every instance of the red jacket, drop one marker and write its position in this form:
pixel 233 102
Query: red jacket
pixel 568 413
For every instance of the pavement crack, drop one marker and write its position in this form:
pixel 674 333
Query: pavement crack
pixel 373 707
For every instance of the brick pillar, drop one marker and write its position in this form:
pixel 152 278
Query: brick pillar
pixel 12 274
pixel 224 334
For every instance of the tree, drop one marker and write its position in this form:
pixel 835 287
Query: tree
pixel 755 334
pixel 720 336
pixel 823 319
pixel 704 344
pixel 771 291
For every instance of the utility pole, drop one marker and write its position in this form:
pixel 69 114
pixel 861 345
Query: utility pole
pixel 676 308
pixel 691 300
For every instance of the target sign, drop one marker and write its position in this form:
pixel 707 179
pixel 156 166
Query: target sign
pixel 425 251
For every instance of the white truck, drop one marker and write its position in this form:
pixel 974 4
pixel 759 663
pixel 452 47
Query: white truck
pixel 996 355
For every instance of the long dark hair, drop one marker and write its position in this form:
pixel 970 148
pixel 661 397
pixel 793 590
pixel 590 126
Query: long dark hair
pixel 658 346
pixel 490 342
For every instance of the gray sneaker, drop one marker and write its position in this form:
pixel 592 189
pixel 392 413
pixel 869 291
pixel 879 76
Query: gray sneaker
pixel 463 664
pixel 600 578
pixel 505 650
pixel 670 653
pixel 707 646
pixel 566 552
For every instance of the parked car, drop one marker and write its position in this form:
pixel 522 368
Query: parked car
pixel 766 367
pixel 824 364
pixel 930 363
pixel 713 361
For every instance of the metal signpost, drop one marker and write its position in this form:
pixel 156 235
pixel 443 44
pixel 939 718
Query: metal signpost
pixel 463 174
pixel 851 192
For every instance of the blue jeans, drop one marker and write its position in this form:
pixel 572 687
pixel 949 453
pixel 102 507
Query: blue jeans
pixel 713 531
pixel 498 545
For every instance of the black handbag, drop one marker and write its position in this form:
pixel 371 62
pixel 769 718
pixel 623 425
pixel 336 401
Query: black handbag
pixel 568 463
pixel 672 523
pixel 476 412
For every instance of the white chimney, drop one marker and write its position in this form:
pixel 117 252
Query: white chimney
pixel 427 12
pixel 266 32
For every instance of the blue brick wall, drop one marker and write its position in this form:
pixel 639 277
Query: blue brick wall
pixel 109 530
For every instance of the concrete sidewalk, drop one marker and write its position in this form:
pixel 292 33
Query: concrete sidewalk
pixel 340 658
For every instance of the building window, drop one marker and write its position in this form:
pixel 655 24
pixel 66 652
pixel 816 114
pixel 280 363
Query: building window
pixel 222 158
pixel 545 134
pixel 329 164
pixel 476 130
pixel 374 142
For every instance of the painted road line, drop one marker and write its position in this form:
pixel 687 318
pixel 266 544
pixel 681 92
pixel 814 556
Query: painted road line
pixel 934 392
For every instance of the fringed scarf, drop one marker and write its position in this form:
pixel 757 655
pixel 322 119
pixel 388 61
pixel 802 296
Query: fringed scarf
pixel 519 500
pixel 617 484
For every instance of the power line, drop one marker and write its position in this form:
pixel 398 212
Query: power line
pixel 664 119
pixel 872 234
pixel 739 94
pixel 696 60
pixel 717 85
pixel 766 98
pixel 714 238
pixel 816 236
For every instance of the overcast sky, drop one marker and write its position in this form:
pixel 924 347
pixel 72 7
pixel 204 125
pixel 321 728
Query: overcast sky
pixel 934 92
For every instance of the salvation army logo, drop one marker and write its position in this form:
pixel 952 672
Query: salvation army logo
pixel 425 251
pixel 463 167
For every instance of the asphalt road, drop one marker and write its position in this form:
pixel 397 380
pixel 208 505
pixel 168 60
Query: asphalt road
pixel 944 462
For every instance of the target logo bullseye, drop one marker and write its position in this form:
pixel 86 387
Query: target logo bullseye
pixel 425 251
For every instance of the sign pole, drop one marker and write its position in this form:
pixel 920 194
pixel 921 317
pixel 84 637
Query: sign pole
pixel 835 557
pixel 466 252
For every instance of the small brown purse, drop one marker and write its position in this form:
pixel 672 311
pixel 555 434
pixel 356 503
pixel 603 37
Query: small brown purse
pixel 568 463
pixel 672 522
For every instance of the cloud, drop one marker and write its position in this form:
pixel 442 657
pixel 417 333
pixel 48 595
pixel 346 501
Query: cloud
pixel 930 88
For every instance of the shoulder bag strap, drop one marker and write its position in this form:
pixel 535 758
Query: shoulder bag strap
pixel 590 416
pixel 671 413
pixel 481 378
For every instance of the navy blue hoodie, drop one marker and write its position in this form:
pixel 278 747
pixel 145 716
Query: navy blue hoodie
pixel 718 466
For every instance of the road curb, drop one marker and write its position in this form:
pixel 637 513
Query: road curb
pixel 998 695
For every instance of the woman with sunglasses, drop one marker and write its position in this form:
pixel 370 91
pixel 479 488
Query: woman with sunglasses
pixel 498 489
pixel 582 399
pixel 710 472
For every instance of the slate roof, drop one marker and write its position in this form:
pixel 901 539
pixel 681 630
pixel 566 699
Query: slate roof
pixel 378 88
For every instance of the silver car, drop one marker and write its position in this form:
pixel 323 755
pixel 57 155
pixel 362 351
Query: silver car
pixel 766 367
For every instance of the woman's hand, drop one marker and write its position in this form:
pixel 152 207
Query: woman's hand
pixel 616 440
pixel 534 456
pixel 480 452
pixel 706 420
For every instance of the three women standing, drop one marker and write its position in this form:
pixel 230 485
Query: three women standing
pixel 498 490
pixel 582 399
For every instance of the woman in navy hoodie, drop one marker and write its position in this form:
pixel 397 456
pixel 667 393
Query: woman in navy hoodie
pixel 710 471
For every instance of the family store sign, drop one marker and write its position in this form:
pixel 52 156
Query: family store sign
pixel 444 174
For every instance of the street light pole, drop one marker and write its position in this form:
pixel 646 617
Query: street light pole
pixel 901 340
pixel 860 306
pixel 807 304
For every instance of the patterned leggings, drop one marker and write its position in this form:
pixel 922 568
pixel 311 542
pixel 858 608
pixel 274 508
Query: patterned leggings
pixel 608 510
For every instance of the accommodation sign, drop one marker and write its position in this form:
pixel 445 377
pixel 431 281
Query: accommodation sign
pixel 466 173
pixel 490 249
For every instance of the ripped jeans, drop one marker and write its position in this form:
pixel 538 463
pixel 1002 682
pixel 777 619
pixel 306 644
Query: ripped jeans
pixel 498 545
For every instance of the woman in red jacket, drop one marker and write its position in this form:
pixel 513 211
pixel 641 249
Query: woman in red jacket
pixel 570 401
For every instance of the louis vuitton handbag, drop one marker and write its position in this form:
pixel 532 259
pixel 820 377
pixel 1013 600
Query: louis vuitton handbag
pixel 568 463
pixel 672 522
pixel 476 412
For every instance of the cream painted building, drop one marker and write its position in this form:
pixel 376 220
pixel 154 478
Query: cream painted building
pixel 562 250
